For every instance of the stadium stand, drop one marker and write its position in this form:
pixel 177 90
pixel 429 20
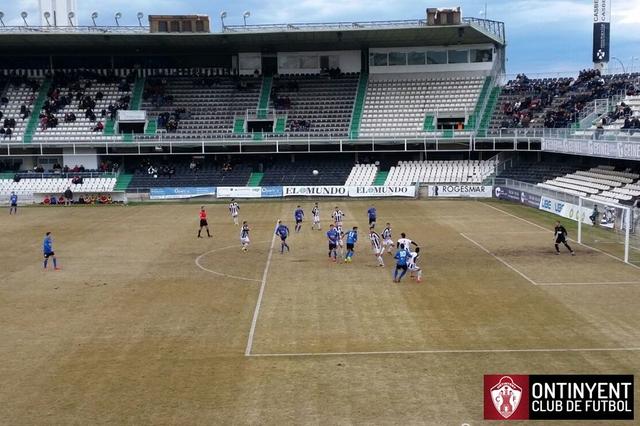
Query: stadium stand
pixel 79 104
pixel 155 175
pixel 29 186
pixel 18 95
pixel 315 104
pixel 198 107
pixel 623 119
pixel 602 183
pixel 402 107
pixel 362 175
pixel 535 172
pixel 333 172
pixel 456 171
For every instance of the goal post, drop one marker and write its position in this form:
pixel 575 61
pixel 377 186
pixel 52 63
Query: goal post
pixel 608 227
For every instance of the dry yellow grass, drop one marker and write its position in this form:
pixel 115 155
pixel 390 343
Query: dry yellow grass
pixel 132 331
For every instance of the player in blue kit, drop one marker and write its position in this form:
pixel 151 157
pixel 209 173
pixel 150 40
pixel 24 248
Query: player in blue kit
pixel 333 236
pixel 298 215
pixel 283 232
pixel 372 213
pixel 13 201
pixel 352 238
pixel 402 257
pixel 47 249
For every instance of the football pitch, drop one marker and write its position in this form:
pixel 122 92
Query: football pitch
pixel 146 324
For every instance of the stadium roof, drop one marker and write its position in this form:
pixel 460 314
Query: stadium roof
pixel 251 38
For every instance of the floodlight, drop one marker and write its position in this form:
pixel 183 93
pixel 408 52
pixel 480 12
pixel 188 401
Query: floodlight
pixel 1 16
pixel 94 16
pixel 245 15
pixel 223 15
pixel 71 15
pixel 24 18
pixel 47 15
pixel 140 15
pixel 117 17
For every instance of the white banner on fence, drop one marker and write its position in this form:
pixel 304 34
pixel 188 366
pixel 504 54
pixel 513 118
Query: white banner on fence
pixel 382 191
pixel 608 149
pixel 316 191
pixel 239 192
pixel 462 190
pixel 567 210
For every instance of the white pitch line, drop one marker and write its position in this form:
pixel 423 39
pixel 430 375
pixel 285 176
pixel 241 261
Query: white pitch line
pixel 256 312
pixel 445 351
pixel 504 262
pixel 570 239
pixel 594 283
pixel 220 273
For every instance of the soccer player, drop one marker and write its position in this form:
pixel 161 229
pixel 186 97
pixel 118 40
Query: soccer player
pixel 401 258
pixel 234 209
pixel 595 215
pixel 283 232
pixel 203 222
pixel 244 236
pixel 298 215
pixel 13 201
pixel 372 216
pixel 376 245
pixel 337 217
pixel 406 242
pixel 340 250
pixel 352 238
pixel 412 264
pixel 333 236
pixel 316 216
pixel 47 248
pixel 560 237
pixel 387 240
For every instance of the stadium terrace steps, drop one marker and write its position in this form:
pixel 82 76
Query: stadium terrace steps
pixel 454 171
pixel 477 112
pixel 281 124
pixel 136 95
pixel 265 96
pixel 358 106
pixel 489 110
pixel 255 179
pixel 109 127
pixel 122 183
pixel 32 125
pixel 429 123
pixel 151 127
pixel 381 178
pixel 257 136
pixel 127 137
pixel 238 125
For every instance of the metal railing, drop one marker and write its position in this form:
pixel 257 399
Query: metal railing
pixel 79 29
pixel 536 190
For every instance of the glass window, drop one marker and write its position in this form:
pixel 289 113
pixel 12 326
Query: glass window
pixel 186 26
pixel 200 26
pixel 378 60
pixel 163 27
pixel 458 56
pixel 416 58
pixel 309 62
pixel 481 55
pixel 175 26
pixel 249 62
pixel 397 58
pixel 436 57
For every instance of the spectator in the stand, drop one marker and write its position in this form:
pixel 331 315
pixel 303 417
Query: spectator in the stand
pixel 68 196
pixel 98 127
pixel 69 117
pixel 599 128
pixel 7 133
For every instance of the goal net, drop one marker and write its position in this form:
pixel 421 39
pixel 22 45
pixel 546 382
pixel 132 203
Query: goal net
pixel 610 228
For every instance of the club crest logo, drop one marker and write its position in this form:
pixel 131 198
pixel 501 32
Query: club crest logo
pixel 506 396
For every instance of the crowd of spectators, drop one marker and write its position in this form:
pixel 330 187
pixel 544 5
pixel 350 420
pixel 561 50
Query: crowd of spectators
pixel 299 125
pixel 154 169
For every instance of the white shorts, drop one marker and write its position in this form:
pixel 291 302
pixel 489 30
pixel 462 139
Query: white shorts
pixel 244 240
pixel 340 243
pixel 388 242
pixel 316 220
pixel 378 251
pixel 234 214
pixel 412 267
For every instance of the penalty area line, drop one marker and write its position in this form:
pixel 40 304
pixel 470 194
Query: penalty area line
pixel 256 311
pixel 445 351
pixel 504 262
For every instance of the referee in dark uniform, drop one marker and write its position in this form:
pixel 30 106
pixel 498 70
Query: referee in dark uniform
pixel 560 237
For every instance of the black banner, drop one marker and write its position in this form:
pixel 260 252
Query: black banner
pixel 601 34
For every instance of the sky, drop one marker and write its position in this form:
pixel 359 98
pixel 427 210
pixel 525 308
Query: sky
pixel 543 36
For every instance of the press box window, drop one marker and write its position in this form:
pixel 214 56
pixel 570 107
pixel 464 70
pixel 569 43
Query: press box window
pixel 436 58
pixel 378 60
pixel 458 56
pixel 481 55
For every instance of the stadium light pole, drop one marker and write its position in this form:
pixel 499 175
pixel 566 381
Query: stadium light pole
pixel 117 17
pixel 621 64
pixel 24 15
pixel 223 15
pixel 2 16
pixel 94 16
pixel 140 15
pixel 47 15
pixel 633 60
pixel 71 15
pixel 245 15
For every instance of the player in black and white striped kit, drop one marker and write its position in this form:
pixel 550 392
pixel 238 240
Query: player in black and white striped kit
pixel 234 209
pixel 316 217
pixel 376 245
pixel 337 216
pixel 560 237
pixel 244 236
pixel 387 239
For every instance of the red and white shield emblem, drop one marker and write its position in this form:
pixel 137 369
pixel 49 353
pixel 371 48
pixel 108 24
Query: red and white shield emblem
pixel 506 396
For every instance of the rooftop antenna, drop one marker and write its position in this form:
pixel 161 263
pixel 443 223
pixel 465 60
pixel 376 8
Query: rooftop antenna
pixel 223 15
